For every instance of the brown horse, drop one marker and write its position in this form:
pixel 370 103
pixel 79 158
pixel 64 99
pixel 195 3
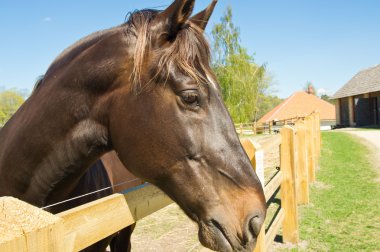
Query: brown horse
pixel 108 175
pixel 146 90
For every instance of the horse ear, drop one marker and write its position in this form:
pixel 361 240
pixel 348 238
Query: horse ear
pixel 175 16
pixel 201 19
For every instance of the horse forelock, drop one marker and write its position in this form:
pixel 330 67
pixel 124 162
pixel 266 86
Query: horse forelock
pixel 189 52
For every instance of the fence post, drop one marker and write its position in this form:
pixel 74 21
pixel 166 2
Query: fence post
pixel 302 168
pixel 288 192
pixel 310 148
pixel 258 164
pixel 270 127
pixel 256 155
pixel 27 228
pixel 317 138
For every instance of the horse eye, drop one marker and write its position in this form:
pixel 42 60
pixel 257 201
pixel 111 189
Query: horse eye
pixel 190 97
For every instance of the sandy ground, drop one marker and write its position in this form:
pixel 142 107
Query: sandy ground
pixel 372 139
pixel 372 136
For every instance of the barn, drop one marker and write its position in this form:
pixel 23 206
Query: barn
pixel 300 104
pixel 358 101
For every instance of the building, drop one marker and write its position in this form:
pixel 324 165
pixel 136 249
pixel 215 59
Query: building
pixel 301 104
pixel 358 102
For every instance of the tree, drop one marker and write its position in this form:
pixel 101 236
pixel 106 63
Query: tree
pixel 10 101
pixel 267 103
pixel 309 88
pixel 243 82
pixel 327 98
pixel 226 39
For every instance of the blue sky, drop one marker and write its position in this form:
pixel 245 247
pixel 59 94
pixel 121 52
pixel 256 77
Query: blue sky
pixel 323 41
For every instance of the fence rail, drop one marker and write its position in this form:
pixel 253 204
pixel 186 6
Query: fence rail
pixel 28 228
pixel 24 227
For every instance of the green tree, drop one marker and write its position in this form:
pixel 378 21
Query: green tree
pixel 10 101
pixel 309 88
pixel 327 98
pixel 267 103
pixel 243 82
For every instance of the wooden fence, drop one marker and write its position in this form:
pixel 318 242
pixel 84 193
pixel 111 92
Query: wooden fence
pixel 24 227
pixel 299 148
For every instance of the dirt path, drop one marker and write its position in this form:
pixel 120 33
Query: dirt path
pixel 372 139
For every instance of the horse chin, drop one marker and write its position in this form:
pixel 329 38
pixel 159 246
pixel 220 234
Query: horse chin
pixel 213 236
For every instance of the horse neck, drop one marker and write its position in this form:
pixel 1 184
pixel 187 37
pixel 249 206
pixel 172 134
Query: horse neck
pixel 62 128
pixel 44 155
pixel 50 141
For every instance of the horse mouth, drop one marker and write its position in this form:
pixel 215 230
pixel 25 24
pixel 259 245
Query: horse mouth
pixel 214 236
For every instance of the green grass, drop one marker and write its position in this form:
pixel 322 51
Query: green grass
pixel 344 209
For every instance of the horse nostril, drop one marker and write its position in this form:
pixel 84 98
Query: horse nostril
pixel 255 225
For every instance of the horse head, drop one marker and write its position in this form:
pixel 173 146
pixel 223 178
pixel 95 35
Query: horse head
pixel 145 89
pixel 170 127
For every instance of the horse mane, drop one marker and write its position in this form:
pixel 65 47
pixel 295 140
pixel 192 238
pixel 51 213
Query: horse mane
pixel 189 51
pixel 38 83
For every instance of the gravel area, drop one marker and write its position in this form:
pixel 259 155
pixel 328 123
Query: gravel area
pixel 372 136
pixel 372 139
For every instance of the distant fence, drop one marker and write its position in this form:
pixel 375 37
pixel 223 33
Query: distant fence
pixel 271 127
pixel 262 128
pixel 299 154
pixel 24 227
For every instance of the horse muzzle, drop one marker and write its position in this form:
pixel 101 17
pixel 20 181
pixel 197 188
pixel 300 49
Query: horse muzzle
pixel 217 236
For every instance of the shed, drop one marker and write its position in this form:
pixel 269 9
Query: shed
pixel 358 101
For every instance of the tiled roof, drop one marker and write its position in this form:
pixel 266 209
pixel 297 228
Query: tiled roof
pixel 300 104
pixel 365 81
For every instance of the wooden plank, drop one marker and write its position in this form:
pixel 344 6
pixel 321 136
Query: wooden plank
pixel 24 227
pixel 146 201
pixel 302 166
pixel 249 148
pixel 313 116
pixel 118 211
pixel 310 148
pixel 274 228
pixel 270 127
pixel 288 192
pixel 317 138
pixel 273 185
pixel 260 240
pixel 256 156
pixel 258 164
pixel 82 223
pixel 295 160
